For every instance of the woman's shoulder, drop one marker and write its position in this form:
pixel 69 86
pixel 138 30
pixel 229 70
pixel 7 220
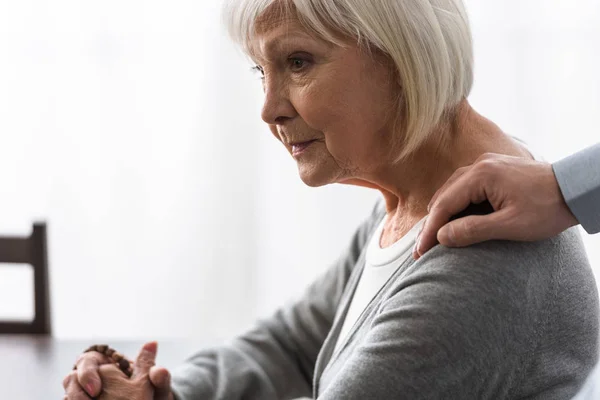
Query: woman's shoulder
pixel 517 270
pixel 565 250
pixel 501 284
pixel 560 250
pixel 531 306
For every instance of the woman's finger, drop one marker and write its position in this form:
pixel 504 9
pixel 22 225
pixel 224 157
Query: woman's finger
pixel 87 372
pixel 115 384
pixel 68 379
pixel 145 360
pixel 161 380
pixel 73 390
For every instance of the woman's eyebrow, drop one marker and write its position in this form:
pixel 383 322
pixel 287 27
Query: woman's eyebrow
pixel 279 43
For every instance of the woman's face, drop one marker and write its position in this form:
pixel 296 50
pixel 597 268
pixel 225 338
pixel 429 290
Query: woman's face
pixel 333 108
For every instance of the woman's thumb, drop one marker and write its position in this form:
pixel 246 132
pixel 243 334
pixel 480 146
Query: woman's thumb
pixel 145 359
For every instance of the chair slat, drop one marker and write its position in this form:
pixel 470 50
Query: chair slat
pixel 15 250
pixel 30 250
pixel 13 328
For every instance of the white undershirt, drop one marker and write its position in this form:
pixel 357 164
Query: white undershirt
pixel 380 264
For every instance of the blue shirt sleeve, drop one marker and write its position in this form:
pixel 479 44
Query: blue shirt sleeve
pixel 579 179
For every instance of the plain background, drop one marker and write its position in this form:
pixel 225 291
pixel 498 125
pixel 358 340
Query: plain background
pixel 133 128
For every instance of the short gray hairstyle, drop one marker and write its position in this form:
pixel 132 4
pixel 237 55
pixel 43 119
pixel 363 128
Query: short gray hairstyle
pixel 428 41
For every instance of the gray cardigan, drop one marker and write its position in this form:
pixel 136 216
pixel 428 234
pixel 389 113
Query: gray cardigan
pixel 498 320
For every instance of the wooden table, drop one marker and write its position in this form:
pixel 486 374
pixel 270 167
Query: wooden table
pixel 32 368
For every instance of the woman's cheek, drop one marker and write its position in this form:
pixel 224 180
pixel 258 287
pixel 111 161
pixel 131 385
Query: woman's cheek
pixel 313 101
pixel 318 111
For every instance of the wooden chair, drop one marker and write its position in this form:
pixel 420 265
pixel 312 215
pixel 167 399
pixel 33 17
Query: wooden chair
pixel 30 250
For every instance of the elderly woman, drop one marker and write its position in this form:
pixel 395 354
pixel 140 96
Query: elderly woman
pixel 373 93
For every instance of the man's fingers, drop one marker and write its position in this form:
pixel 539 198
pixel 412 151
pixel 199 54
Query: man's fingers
pixel 474 171
pixel 474 229
pixel 450 200
pixel 145 360
pixel 87 372
pixel 455 176
pixel 72 389
pixel 161 380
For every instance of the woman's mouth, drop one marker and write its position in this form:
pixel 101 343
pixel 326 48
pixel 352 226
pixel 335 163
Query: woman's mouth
pixel 299 148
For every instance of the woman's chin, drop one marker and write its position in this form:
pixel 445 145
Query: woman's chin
pixel 315 176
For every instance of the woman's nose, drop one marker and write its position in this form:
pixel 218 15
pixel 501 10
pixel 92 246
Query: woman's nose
pixel 277 107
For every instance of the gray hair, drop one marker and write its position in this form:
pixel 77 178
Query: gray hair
pixel 428 41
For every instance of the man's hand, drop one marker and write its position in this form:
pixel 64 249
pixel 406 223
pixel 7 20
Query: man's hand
pixel 103 380
pixel 525 195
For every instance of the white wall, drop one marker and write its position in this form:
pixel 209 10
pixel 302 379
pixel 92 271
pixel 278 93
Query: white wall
pixel 129 126
pixel 133 127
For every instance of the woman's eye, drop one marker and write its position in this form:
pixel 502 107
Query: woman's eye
pixel 259 70
pixel 297 64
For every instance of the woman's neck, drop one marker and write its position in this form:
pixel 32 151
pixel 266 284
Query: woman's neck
pixel 408 186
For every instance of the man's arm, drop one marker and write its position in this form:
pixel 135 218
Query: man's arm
pixel 579 179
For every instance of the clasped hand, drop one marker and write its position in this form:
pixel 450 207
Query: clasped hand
pixel 99 378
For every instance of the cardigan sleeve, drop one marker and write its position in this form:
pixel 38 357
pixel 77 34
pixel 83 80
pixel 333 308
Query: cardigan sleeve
pixel 276 359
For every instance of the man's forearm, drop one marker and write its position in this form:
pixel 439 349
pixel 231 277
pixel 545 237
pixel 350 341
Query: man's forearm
pixel 579 179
